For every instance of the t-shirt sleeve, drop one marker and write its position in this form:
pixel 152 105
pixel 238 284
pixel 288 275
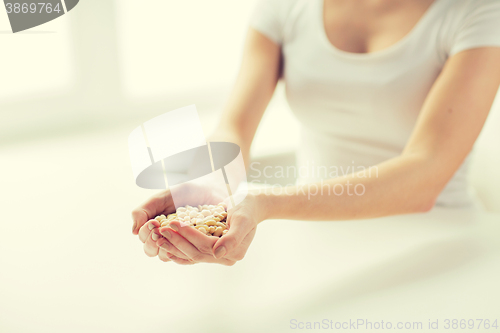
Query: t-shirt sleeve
pixel 479 28
pixel 269 17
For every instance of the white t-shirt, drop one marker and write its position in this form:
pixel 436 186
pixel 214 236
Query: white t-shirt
pixel 359 109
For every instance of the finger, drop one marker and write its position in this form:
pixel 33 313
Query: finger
pixel 145 231
pixel 156 205
pixel 150 247
pixel 202 242
pixel 165 245
pixel 239 227
pixel 179 260
pixel 162 255
pixel 182 244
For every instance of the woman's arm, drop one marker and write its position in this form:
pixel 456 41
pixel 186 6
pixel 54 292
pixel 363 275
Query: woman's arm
pixel 254 87
pixel 448 125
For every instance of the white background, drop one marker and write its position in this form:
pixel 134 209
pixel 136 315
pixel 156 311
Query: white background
pixel 70 93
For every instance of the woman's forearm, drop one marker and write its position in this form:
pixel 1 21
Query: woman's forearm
pixel 406 184
pixel 254 87
pixel 447 127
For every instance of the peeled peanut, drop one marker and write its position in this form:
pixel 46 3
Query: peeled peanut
pixel 220 224
pixel 218 232
pixel 224 232
pixel 211 229
pixel 210 222
pixel 202 227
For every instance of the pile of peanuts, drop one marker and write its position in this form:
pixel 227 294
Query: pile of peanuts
pixel 208 219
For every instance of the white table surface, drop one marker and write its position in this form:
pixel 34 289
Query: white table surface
pixel 69 263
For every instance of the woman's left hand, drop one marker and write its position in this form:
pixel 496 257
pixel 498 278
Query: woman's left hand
pixel 226 250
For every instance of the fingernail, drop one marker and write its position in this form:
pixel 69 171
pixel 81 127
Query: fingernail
pixel 155 236
pixel 165 246
pixel 174 227
pixel 151 226
pixel 220 252
pixel 166 233
pixel 134 226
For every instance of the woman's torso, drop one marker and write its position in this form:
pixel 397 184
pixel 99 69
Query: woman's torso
pixel 359 109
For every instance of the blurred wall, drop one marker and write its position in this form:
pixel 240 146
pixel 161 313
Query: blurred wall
pixel 108 62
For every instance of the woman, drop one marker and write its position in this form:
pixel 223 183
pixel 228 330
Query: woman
pixel 404 86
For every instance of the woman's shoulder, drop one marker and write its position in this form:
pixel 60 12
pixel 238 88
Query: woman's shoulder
pixel 270 17
pixel 470 24
pixel 461 9
pixel 279 6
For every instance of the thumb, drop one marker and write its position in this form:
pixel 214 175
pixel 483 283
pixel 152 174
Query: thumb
pixel 230 241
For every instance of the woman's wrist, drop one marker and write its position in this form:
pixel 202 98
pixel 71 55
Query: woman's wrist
pixel 264 204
